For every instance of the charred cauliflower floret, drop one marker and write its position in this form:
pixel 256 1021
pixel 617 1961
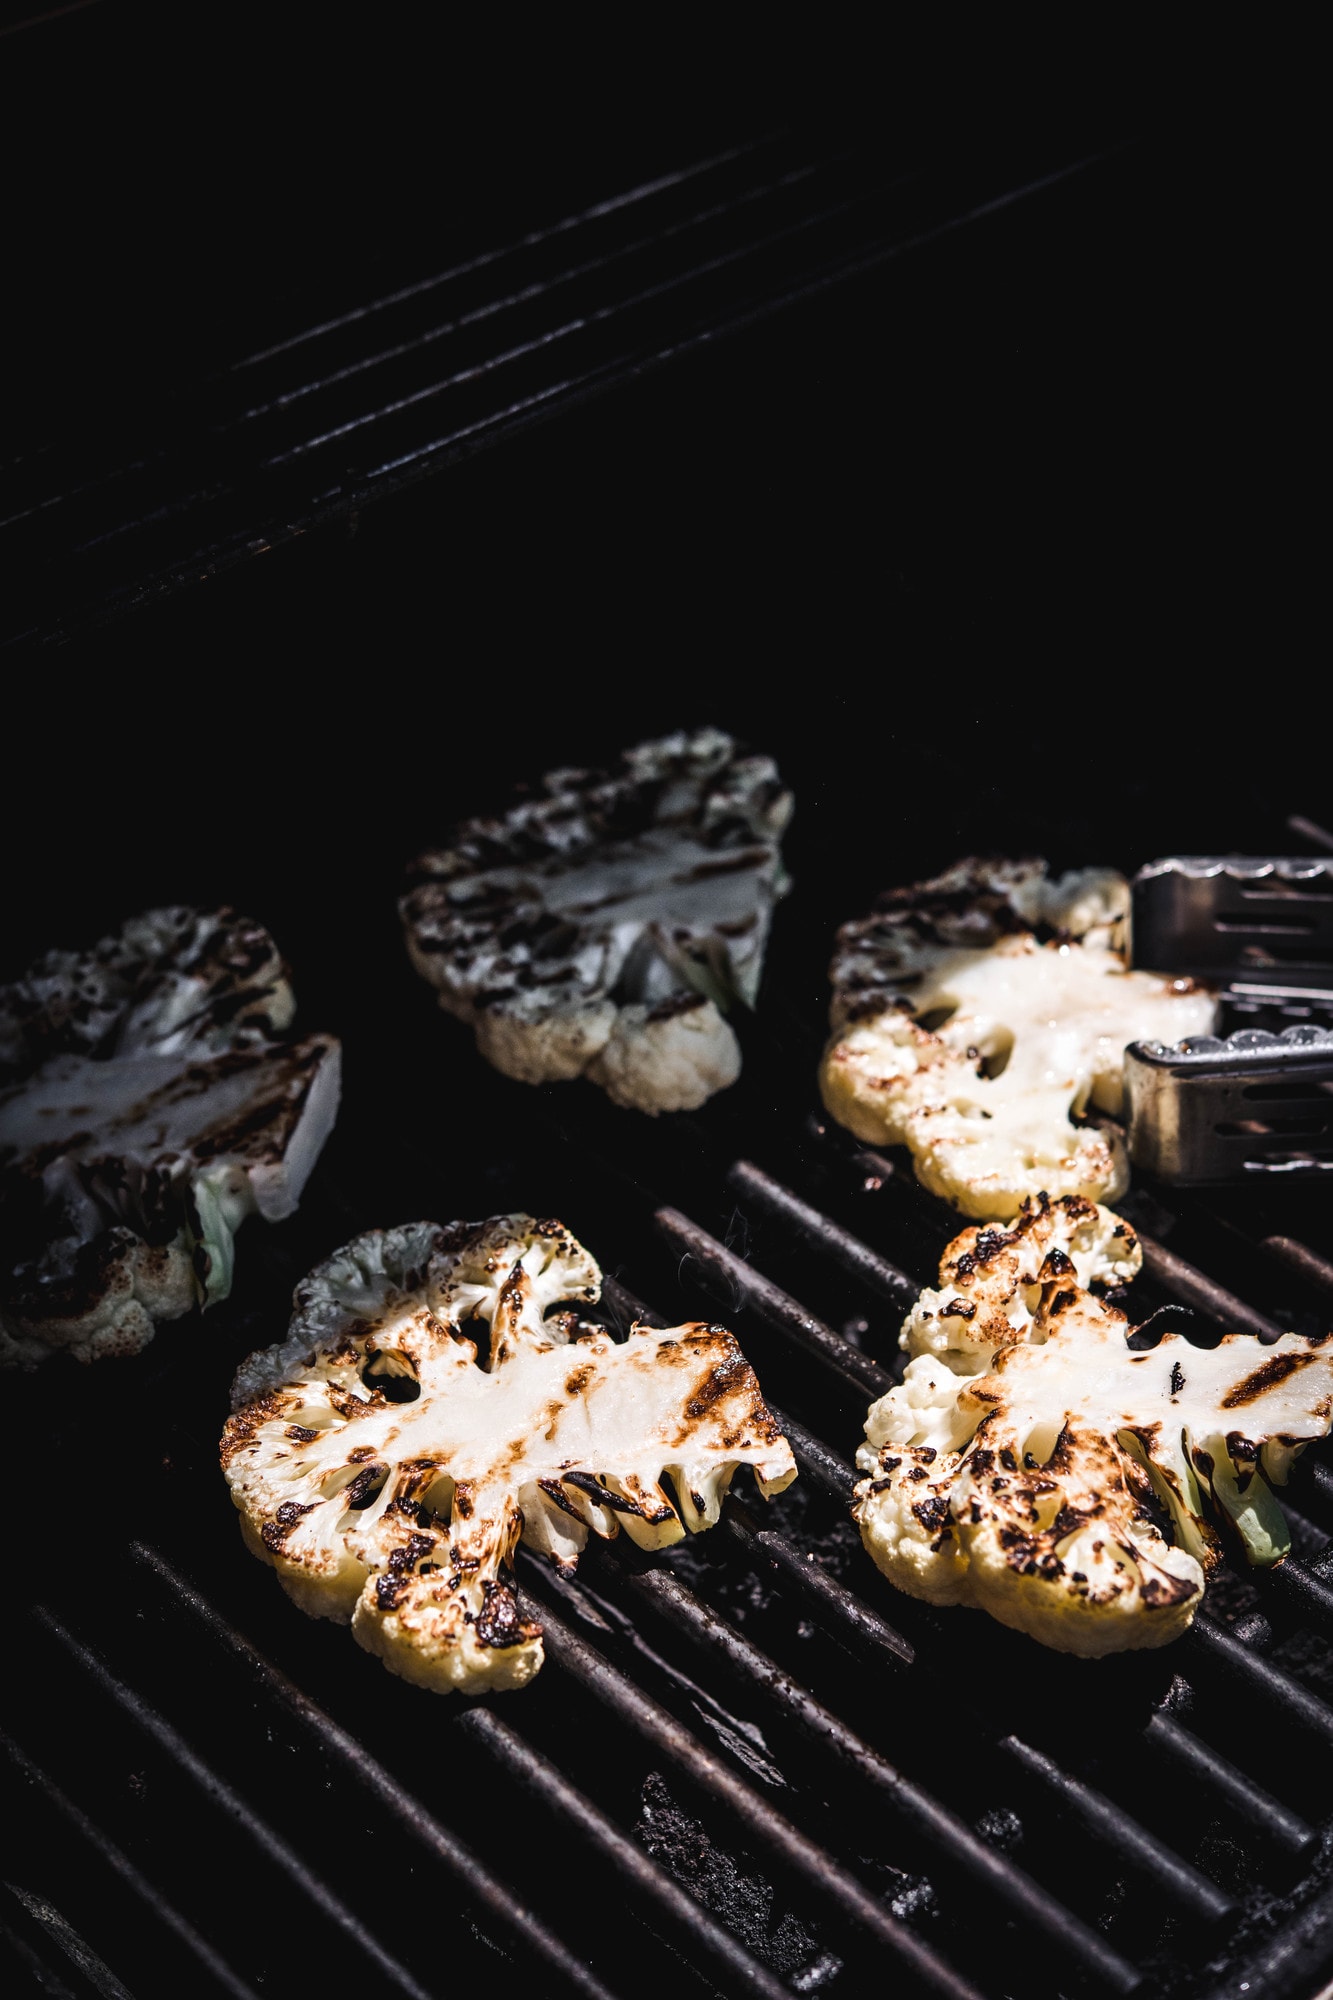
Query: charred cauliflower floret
pixel 604 929
pixel 148 1103
pixel 991 1279
pixel 958 1033
pixel 1032 1478
pixel 437 1400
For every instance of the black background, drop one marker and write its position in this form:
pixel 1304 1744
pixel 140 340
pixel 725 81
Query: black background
pixel 1005 545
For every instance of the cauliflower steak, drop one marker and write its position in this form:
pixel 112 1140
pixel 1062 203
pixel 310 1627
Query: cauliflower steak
pixel 149 1101
pixel 387 1469
pixel 604 929
pixel 1031 1459
pixel 958 1034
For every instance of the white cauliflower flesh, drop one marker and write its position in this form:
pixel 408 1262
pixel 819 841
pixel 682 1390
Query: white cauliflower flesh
pixel 437 1400
pixel 960 1035
pixel 1032 1478
pixel 604 929
pixel 148 1104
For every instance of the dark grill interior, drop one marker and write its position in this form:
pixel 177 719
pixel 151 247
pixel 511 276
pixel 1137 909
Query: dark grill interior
pixel 748 1766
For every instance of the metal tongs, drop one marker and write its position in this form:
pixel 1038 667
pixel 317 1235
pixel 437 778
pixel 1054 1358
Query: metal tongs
pixel 1257 1098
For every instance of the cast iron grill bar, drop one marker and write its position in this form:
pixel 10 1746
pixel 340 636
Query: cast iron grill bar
pixel 826 1236
pixel 833 1474
pixel 1188 1285
pixel 43 1978
pixel 221 1795
pixel 243 506
pixel 574 1655
pixel 848 1616
pixel 1261 1812
pixel 1309 829
pixel 926 1817
pixel 1306 1264
pixel 578 323
pixel 539 289
pixel 1302 1592
pixel 596 213
pixel 1121 1833
pixel 725 1276
pixel 522 1926
pixel 1211 1644
pixel 599 316
pixel 536 1775
pixel 468 267
pixel 126 1872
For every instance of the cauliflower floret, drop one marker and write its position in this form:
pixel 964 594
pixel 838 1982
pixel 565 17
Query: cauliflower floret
pixel 388 1474
pixel 149 1109
pixel 671 1057
pixel 959 1035
pixel 990 1279
pixel 1028 1479
pixel 562 930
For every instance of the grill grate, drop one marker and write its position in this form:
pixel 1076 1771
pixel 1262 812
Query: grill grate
pixel 820 1774
pixel 333 415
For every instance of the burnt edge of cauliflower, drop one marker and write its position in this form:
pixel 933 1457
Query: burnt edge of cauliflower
pixel 209 986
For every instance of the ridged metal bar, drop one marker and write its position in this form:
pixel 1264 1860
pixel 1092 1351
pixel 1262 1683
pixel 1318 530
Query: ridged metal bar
pixel 1112 1827
pixel 924 1817
pixel 468 266
pixel 575 1655
pixel 1301 1592
pixel 1311 831
pixel 1212 1646
pixel 1257 1809
pixel 526 295
pixel 125 1871
pixel 539 1777
pixel 332 1908
pixel 1191 1287
pixel 830 1471
pixel 1296 1257
pixel 521 1926
pixel 736 1284
pixel 848 1616
pixel 828 1238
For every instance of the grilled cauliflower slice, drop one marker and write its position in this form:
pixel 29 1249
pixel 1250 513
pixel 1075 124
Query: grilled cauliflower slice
pixel 1026 1478
pixel 387 1470
pixel 604 929
pixel 961 1036
pixel 146 1107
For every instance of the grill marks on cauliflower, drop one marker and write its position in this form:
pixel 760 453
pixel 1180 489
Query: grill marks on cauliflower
pixel 523 1422
pixel 961 1036
pixel 1025 1461
pixel 603 929
pixel 150 1107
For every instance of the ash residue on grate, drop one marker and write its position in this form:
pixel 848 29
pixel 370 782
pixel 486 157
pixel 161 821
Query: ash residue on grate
pixel 733 1890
